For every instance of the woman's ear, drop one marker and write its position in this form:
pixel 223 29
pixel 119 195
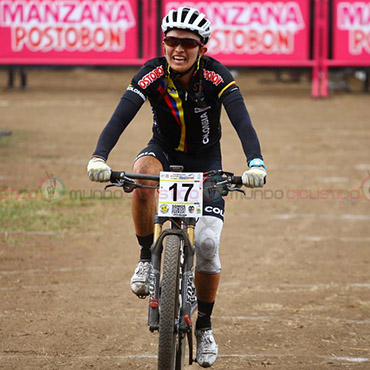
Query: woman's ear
pixel 202 51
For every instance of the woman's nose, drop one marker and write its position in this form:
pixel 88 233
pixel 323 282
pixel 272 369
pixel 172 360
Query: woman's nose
pixel 179 47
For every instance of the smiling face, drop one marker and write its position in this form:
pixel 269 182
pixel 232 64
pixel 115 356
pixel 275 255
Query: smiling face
pixel 179 58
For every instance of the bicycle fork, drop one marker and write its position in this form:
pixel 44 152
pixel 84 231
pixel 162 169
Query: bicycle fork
pixel 188 298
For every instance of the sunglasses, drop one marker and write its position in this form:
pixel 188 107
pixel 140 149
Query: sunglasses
pixel 185 43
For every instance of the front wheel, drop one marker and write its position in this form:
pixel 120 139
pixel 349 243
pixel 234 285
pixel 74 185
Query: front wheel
pixel 169 307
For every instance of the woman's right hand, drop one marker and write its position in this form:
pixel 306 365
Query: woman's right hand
pixel 98 170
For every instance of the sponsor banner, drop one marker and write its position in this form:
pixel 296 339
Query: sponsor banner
pixel 68 31
pixel 351 30
pixel 255 30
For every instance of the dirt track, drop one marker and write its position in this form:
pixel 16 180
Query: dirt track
pixel 295 289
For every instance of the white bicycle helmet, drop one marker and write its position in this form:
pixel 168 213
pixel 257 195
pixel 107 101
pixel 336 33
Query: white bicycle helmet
pixel 187 19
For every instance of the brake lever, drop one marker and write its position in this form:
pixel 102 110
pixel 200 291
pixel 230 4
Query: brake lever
pixel 129 185
pixel 235 188
pixel 113 184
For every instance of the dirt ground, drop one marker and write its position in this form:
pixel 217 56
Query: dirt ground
pixel 295 286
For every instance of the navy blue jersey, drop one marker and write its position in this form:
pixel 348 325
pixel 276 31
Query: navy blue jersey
pixel 183 120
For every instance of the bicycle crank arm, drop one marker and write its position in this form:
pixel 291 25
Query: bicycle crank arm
pixel 190 343
pixel 189 334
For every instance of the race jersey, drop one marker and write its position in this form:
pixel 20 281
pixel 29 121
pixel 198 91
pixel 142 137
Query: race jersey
pixel 181 121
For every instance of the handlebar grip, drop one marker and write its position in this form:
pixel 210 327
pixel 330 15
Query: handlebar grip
pixel 237 180
pixel 116 175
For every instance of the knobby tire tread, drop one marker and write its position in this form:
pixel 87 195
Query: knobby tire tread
pixel 169 304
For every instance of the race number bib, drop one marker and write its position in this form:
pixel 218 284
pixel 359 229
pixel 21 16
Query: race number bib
pixel 180 194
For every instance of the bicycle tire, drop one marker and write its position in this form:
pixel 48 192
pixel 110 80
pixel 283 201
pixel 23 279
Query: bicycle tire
pixel 169 305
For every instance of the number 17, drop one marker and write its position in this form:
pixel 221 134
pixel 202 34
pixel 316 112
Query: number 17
pixel 174 188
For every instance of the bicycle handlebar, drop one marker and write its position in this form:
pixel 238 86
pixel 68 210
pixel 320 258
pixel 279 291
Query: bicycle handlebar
pixel 122 175
pixel 219 179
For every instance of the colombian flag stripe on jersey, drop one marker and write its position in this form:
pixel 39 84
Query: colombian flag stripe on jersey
pixel 171 103
pixel 174 101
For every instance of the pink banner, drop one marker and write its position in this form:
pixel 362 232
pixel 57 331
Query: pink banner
pixel 351 31
pixel 68 31
pixel 245 31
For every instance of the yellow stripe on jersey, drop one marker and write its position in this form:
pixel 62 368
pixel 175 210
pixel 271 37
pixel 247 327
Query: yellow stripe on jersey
pixel 178 111
pixel 227 86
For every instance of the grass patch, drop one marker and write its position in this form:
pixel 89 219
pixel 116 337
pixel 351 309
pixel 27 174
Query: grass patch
pixel 14 136
pixel 36 215
pixel 20 212
pixel 5 140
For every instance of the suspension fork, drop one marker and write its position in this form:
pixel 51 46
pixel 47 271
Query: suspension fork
pixel 187 271
pixel 156 249
pixel 188 296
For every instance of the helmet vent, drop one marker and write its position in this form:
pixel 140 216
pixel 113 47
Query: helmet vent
pixel 187 19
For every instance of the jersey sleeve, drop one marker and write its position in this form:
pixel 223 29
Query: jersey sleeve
pixel 122 116
pixel 144 83
pixel 137 92
pixel 141 87
pixel 221 79
pixel 232 99
pixel 240 119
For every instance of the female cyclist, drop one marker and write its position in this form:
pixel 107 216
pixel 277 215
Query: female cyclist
pixel 186 90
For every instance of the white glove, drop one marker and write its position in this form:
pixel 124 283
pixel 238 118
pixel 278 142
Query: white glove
pixel 254 177
pixel 98 170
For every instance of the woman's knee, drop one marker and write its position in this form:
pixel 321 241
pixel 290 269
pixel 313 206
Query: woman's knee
pixel 149 166
pixel 207 242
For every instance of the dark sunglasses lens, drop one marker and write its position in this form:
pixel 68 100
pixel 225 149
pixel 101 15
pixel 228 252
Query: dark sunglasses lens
pixel 189 43
pixel 171 41
pixel 185 43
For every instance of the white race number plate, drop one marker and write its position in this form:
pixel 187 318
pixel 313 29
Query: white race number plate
pixel 180 194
